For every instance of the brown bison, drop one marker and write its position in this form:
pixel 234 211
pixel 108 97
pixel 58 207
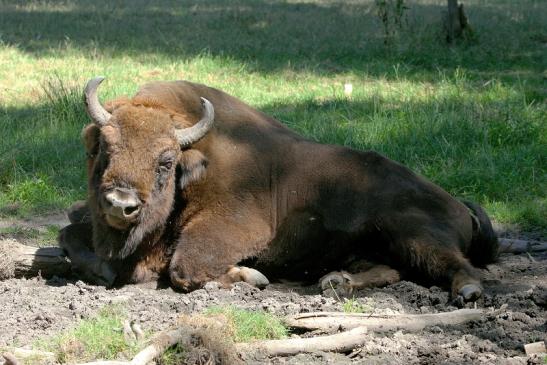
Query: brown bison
pixel 187 182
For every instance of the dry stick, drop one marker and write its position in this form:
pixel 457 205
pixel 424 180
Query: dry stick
pixel 24 354
pixel 340 342
pixel 9 359
pixel 516 246
pixel 329 321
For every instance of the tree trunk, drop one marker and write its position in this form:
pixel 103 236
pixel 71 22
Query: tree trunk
pixel 456 22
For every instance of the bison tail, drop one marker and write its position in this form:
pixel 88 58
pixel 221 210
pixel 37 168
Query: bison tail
pixel 484 246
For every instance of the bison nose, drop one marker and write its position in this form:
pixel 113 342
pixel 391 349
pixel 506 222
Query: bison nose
pixel 123 203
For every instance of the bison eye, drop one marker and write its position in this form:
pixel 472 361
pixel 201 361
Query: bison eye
pixel 166 165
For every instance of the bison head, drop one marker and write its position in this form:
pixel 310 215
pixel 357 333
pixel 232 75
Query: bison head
pixel 133 150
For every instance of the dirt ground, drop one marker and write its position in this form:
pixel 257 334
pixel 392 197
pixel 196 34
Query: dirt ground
pixel 37 308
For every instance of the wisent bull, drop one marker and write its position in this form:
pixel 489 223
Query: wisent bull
pixel 189 185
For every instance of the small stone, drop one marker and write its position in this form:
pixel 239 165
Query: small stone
pixel 535 348
pixel 212 286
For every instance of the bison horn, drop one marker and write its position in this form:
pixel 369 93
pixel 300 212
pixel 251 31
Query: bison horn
pixel 188 136
pixel 94 108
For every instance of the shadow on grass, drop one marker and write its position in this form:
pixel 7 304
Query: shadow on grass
pixel 321 37
pixel 41 156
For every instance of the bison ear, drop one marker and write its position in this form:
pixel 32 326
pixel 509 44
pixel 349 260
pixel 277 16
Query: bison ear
pixel 90 137
pixel 193 166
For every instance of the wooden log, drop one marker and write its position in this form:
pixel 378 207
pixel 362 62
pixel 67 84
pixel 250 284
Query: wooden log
pixel 335 321
pixel 516 246
pixel 18 260
pixel 339 342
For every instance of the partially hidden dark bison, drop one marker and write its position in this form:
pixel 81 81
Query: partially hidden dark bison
pixel 188 185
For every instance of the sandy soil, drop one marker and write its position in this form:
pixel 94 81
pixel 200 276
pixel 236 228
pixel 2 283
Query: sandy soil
pixel 37 308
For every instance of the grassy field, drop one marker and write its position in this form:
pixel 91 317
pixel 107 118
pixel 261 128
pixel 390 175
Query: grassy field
pixel 471 117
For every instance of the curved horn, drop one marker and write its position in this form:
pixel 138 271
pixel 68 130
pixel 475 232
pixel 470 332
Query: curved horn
pixel 188 136
pixel 94 108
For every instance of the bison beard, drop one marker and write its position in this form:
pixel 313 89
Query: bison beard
pixel 171 196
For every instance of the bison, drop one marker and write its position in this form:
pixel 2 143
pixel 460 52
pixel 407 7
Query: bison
pixel 189 184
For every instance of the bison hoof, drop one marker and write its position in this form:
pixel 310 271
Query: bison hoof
pixel 335 285
pixel 470 292
pixel 253 277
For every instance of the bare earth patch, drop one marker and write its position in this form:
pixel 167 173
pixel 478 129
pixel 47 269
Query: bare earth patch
pixel 37 308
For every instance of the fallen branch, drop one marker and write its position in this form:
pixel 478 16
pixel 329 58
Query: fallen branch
pixel 335 321
pixel 18 260
pixel 9 359
pixel 340 342
pixel 510 245
pixel 23 354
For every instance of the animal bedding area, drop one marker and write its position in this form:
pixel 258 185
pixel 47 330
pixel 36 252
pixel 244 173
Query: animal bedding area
pixel 34 309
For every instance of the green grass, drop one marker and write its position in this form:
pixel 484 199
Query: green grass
pixel 248 325
pixel 99 337
pixel 174 355
pixel 39 237
pixel 471 117
pixel 354 306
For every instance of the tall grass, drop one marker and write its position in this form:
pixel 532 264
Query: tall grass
pixel 471 117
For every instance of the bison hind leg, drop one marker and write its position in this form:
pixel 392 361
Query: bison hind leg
pixel 440 263
pixel 343 284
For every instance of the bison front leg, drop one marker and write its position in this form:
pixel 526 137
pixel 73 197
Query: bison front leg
pixel 249 275
pixel 211 252
pixel 75 239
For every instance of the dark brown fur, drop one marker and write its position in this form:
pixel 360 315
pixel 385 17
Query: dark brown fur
pixel 253 191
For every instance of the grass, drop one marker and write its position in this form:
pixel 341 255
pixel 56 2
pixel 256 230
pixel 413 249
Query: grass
pixel 99 337
pixel 469 117
pixel 248 325
pixel 174 355
pixel 354 306
pixel 39 237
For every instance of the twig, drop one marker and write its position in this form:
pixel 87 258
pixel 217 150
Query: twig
pixel 137 330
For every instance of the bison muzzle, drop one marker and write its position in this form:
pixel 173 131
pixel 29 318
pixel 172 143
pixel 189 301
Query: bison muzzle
pixel 186 183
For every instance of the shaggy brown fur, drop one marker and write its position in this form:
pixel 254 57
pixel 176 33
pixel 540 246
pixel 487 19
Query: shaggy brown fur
pixel 253 191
